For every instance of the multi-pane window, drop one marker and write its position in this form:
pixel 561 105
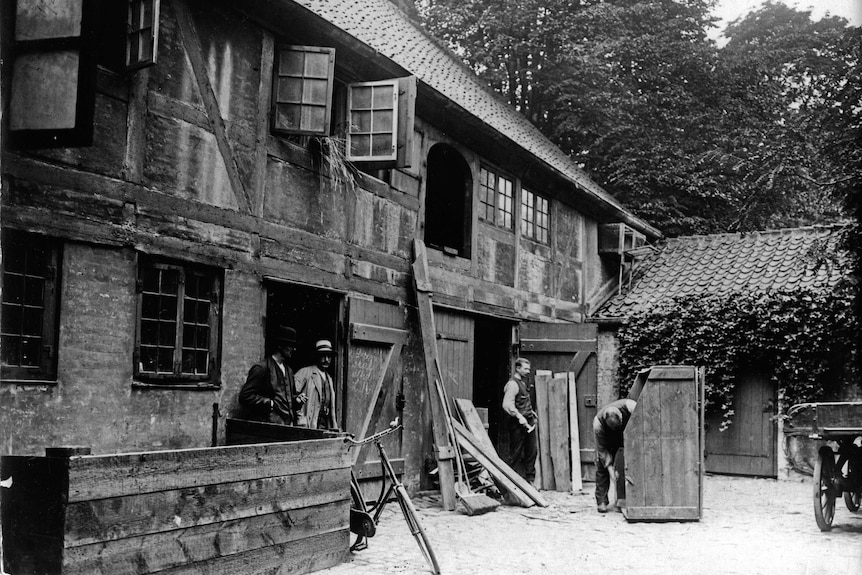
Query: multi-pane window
pixel 373 130
pixel 178 321
pixel 302 90
pixel 142 32
pixel 535 218
pixel 28 322
pixel 496 198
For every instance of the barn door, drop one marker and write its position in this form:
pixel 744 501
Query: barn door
pixel 568 347
pixel 455 335
pixel 747 446
pixel 376 336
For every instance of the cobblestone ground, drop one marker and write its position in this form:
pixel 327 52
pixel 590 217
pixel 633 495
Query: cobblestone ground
pixel 749 527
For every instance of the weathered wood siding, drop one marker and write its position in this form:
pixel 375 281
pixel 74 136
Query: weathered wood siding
pixel 184 166
pixel 251 509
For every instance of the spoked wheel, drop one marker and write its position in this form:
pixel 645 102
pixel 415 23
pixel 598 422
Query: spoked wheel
pixel 853 500
pixel 824 490
pixel 361 523
pixel 416 528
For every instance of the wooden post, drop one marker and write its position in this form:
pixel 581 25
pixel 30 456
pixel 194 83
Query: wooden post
pixel 444 451
pixel 574 434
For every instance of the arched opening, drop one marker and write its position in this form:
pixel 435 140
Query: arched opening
pixel 448 197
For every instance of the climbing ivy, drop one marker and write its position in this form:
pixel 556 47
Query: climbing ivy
pixel 803 340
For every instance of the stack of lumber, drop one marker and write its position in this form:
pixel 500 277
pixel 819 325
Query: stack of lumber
pixel 473 439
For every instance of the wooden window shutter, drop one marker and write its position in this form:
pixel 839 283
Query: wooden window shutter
pixel 142 33
pixel 53 95
pixel 302 90
pixel 381 116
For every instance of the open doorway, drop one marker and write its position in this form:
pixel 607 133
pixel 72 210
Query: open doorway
pixel 315 314
pixel 493 357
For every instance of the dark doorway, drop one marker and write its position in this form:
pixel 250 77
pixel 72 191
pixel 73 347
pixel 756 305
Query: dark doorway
pixel 314 314
pixel 448 197
pixel 493 357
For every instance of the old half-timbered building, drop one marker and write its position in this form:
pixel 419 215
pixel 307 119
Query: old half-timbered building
pixel 179 176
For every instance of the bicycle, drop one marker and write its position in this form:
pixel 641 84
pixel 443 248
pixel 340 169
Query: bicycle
pixel 364 516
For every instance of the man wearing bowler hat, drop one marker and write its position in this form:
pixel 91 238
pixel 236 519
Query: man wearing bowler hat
pixel 315 393
pixel 267 394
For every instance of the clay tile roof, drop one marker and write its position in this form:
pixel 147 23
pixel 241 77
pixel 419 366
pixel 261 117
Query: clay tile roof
pixel 725 263
pixel 383 26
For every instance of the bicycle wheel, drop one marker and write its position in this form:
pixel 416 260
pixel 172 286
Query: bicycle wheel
pixel 361 524
pixel 416 529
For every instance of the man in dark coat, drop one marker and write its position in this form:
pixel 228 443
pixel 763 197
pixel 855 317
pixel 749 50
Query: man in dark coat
pixel 267 394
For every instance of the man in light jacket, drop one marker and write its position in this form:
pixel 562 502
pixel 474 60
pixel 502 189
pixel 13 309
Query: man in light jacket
pixel 315 392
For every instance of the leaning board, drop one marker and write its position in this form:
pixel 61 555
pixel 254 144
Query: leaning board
pixel 664 447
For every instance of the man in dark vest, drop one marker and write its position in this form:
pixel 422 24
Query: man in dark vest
pixel 267 394
pixel 523 439
pixel 608 426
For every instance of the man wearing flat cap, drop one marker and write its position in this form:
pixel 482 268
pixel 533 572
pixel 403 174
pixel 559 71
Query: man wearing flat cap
pixel 315 393
pixel 267 394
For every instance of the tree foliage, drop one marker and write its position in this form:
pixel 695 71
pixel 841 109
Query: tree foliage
pixel 692 137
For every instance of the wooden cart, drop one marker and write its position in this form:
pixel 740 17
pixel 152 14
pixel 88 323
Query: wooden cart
pixel 837 471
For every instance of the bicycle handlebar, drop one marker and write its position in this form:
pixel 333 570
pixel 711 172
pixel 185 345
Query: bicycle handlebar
pixel 393 427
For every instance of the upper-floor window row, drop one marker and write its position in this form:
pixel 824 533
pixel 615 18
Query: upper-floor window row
pixel 376 122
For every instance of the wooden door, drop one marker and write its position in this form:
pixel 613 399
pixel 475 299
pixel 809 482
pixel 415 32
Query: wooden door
pixel 376 336
pixel 569 347
pixel 663 449
pixel 455 337
pixel 747 446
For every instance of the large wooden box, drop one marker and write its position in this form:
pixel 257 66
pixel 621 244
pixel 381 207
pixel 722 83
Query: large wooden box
pixel 271 508
pixel 664 446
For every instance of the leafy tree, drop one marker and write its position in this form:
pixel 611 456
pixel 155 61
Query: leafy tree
pixel 693 138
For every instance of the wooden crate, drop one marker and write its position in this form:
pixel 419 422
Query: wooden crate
pixel 664 447
pixel 261 508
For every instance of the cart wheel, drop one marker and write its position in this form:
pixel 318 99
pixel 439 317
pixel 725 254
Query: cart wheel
pixel 824 492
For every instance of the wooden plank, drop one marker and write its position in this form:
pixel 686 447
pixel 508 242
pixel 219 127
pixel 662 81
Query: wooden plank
pixel 144 513
pixel 574 433
pixel 291 558
pixel 471 420
pixel 652 457
pixel 509 473
pixel 544 430
pixel 243 431
pixel 264 93
pixel 662 513
pixel 95 477
pixel 376 334
pixel 558 417
pixel 385 374
pixel 372 469
pixel 557 345
pixel 33 511
pixel 506 486
pixel 429 345
pixel 672 372
pixel 192 544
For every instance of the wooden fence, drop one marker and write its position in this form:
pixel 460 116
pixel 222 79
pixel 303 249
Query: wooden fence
pixel 252 509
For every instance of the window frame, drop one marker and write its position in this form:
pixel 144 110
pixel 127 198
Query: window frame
pixel 401 132
pixel 278 76
pixel 176 377
pixel 133 33
pixel 530 217
pixel 27 90
pixel 499 201
pixel 391 133
pixel 46 370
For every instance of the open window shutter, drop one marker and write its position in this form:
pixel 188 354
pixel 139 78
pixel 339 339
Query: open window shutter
pixel 53 74
pixel 381 122
pixel 302 90
pixel 142 33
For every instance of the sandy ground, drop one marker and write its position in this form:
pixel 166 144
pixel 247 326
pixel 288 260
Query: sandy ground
pixel 749 526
